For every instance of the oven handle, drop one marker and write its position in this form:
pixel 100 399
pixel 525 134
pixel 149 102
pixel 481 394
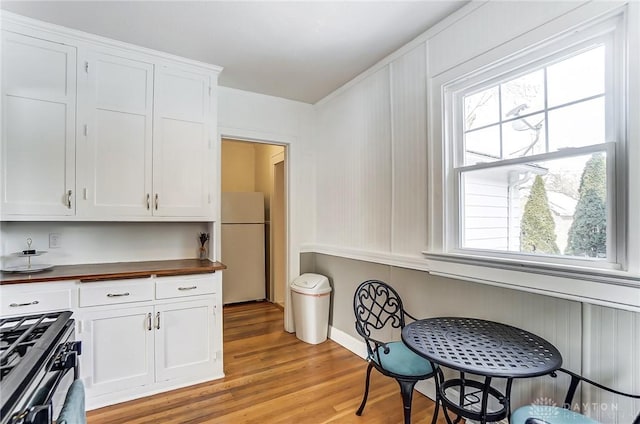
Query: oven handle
pixel 61 374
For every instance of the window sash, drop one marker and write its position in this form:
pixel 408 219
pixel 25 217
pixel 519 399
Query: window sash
pixel 612 260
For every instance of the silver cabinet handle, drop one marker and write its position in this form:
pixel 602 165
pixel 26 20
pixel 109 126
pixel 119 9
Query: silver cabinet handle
pixel 149 321
pixel 156 201
pixel 17 305
pixel 187 288
pixel 157 320
pixel 118 294
pixel 69 194
pixel 148 201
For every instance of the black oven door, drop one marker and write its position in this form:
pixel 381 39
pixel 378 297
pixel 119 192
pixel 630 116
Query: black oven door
pixel 52 385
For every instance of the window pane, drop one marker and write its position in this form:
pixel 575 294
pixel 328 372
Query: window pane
pixel 576 78
pixel 557 207
pixel 523 95
pixel 524 136
pixel 481 109
pixel 581 124
pixel 482 145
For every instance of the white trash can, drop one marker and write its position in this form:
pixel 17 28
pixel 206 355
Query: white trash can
pixel 311 294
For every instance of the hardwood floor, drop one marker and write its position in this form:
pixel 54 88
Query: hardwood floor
pixel 272 377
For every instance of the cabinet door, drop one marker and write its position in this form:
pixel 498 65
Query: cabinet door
pixel 38 127
pixel 182 158
pixel 185 345
pixel 114 162
pixel 119 348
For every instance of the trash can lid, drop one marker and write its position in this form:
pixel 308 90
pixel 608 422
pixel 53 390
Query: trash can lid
pixel 311 284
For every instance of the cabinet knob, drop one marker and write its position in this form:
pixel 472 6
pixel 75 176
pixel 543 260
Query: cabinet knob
pixel 157 320
pixel 148 201
pixel 69 194
pixel 156 201
pixel 149 321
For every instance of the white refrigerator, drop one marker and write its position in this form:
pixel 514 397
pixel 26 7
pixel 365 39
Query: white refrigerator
pixel 243 247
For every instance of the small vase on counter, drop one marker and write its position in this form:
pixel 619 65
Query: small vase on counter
pixel 204 238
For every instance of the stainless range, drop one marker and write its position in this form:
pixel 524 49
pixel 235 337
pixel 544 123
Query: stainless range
pixel 38 363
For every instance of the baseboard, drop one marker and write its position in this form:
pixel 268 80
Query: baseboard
pixel 99 401
pixel 357 346
pixel 349 342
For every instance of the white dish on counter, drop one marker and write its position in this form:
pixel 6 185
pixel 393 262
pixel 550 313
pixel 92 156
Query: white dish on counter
pixel 28 268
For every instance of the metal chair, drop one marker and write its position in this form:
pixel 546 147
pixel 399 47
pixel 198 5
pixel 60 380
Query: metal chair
pixel 551 414
pixel 378 310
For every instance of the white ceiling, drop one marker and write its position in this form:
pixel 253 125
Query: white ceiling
pixel 296 50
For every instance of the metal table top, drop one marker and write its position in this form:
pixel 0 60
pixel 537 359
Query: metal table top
pixel 482 347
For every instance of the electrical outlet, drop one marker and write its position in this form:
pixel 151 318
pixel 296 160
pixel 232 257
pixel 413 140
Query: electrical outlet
pixel 55 240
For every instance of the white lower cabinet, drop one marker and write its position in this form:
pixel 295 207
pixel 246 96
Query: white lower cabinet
pixel 133 351
pixel 118 350
pixel 184 342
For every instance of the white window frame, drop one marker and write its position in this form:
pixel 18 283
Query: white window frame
pixel 613 145
pixel 572 278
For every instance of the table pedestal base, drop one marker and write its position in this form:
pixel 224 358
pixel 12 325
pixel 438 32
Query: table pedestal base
pixel 472 393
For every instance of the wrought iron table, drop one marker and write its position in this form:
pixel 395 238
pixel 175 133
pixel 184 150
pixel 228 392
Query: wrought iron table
pixel 485 348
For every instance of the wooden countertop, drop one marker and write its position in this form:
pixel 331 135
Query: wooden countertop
pixel 115 271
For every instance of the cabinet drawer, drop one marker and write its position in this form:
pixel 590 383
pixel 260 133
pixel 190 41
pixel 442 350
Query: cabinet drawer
pixel 184 286
pixel 15 303
pixel 95 294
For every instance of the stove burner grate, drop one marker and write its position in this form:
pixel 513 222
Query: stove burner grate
pixel 18 335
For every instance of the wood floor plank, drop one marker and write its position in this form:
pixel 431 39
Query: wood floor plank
pixel 272 377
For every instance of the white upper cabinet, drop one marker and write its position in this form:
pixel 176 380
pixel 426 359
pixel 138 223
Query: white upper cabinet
pixel 115 118
pixel 97 130
pixel 182 154
pixel 38 127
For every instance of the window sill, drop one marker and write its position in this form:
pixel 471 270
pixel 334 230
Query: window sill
pixel 602 287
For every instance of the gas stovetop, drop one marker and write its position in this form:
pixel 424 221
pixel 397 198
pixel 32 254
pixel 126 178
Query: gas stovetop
pixel 19 335
pixel 27 344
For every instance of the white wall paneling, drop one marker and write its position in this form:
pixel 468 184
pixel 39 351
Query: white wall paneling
pixel 354 162
pixel 490 25
pixel 409 144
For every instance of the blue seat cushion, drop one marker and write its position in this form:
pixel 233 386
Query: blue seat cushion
pixel 545 414
pixel 402 361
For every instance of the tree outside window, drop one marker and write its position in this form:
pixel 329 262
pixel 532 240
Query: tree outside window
pixel 538 232
pixel 588 232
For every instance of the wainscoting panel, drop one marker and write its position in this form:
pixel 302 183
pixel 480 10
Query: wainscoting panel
pixel 611 357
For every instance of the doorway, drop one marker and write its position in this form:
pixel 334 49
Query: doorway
pixel 251 166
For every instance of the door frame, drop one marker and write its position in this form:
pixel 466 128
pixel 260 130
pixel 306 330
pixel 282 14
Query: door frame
pixel 236 134
pixel 274 161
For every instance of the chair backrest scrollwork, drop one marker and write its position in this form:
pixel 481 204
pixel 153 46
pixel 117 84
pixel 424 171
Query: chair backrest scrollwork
pixel 376 306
